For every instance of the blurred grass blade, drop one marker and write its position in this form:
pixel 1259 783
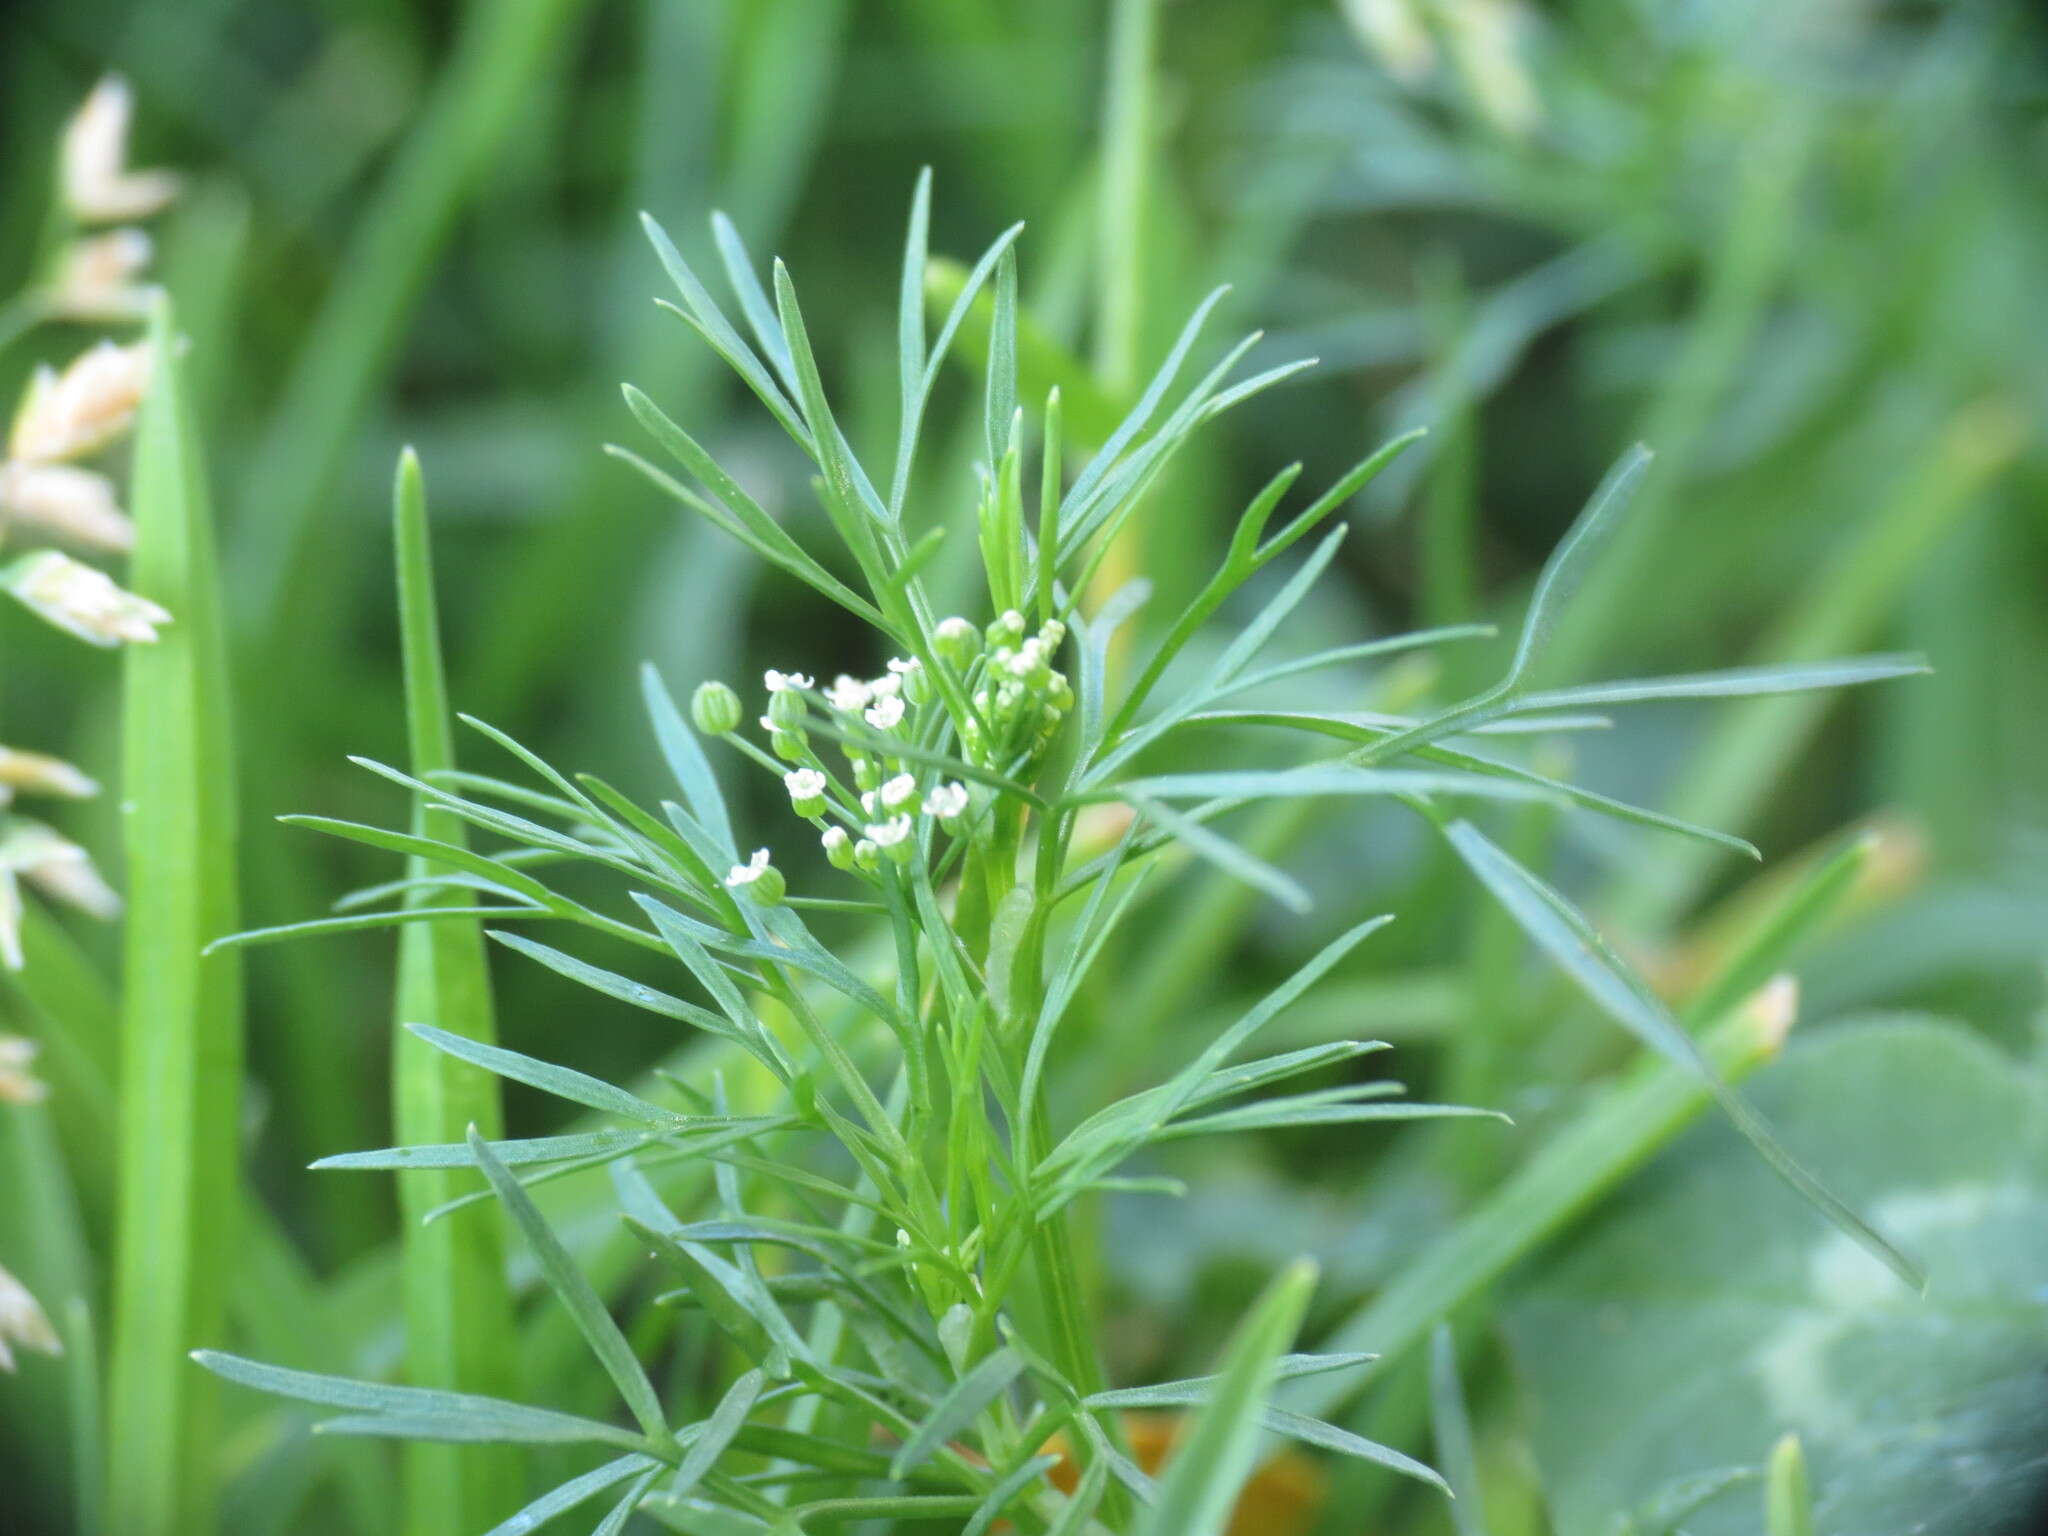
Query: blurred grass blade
pixel 1453 1428
pixel 1562 931
pixel 1788 1506
pixel 1212 1459
pixel 458 1320
pixel 181 1022
pixel 503 49
pixel 1615 1134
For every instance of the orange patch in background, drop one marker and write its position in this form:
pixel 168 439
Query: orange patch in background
pixel 1282 1498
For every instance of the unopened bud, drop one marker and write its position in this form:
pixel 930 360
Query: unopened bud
pixel 957 641
pixel 1008 629
pixel 838 847
pixel 786 708
pixel 715 709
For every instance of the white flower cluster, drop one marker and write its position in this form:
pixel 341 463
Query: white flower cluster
pixel 878 820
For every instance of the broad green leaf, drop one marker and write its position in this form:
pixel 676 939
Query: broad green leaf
pixel 1914 1413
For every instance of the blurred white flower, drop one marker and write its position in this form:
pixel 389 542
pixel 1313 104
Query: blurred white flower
pixel 67 503
pixel 42 775
pixel 778 681
pixel 749 872
pixel 10 920
pixel 83 600
pixel 56 866
pixel 90 404
pixel 886 713
pixel 96 281
pixel 848 693
pixel 18 1084
pixel 899 793
pixel 22 1322
pixel 98 187
pixel 890 833
pixel 946 801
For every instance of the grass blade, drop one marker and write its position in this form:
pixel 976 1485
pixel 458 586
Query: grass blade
pixel 181 1019
pixel 1214 1457
pixel 458 1321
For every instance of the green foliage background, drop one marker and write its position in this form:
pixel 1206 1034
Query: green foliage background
pixel 1797 249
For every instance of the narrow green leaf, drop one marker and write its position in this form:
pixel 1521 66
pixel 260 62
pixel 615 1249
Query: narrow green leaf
pixel 1579 951
pixel 583 1304
pixel 179 1191
pixel 1788 1506
pixel 576 1491
pixel 959 1407
pixel 562 1082
pixel 1734 682
pixel 717 1433
pixel 494 1418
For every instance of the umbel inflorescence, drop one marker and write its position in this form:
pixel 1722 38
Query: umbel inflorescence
pixel 857 1173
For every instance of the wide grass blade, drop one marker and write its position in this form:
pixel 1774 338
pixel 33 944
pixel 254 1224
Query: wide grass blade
pixel 458 1321
pixel 1214 1457
pixel 179 1200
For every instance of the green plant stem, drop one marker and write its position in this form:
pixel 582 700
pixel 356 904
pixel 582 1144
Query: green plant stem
pixel 1127 130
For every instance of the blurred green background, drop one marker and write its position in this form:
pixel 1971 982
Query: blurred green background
pixel 1797 249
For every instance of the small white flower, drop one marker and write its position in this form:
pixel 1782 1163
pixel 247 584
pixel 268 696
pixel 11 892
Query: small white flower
pixel 778 681
pixel 19 1085
pixel 749 872
pixel 903 666
pixel 96 283
pixel 10 920
pixel 946 801
pixel 887 686
pixel 890 833
pixel 83 600
pixel 886 713
pixel 1023 661
pixel 898 792
pixel 87 406
pixel 806 788
pixel 867 801
pixel 98 186
pixel 67 503
pixel 848 693
pixel 767 725
pixel 23 1322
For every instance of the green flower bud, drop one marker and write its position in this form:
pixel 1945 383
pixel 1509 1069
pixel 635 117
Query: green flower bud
pixel 956 640
pixel 867 856
pixel 1008 629
pixel 867 773
pixel 790 746
pixel 839 847
pixel 786 708
pixel 715 709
